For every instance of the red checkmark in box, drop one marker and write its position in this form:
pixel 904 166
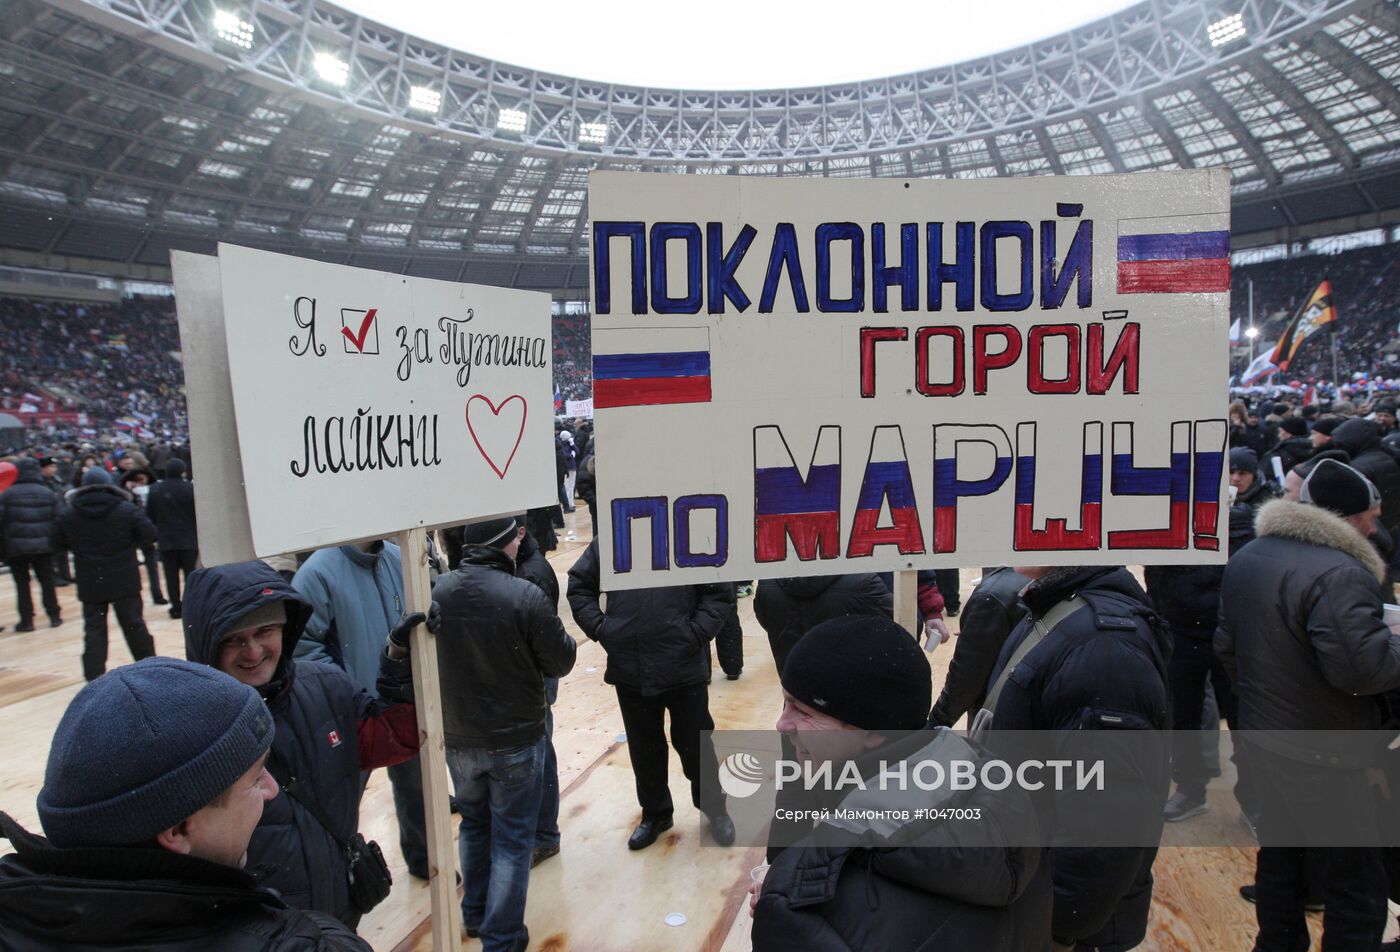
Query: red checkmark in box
pixel 360 338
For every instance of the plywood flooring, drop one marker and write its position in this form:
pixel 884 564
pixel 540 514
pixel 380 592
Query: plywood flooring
pixel 596 896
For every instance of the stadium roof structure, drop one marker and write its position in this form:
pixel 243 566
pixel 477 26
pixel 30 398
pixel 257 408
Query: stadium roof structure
pixel 130 127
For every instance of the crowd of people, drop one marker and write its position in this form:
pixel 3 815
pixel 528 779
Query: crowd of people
pixel 222 802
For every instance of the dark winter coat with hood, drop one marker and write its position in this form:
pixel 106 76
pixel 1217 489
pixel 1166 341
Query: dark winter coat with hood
pixel 1362 440
pixel 788 608
pixel 1102 668
pixel 27 513
pixel 103 528
pixel 920 886
pixel 144 899
pixel 993 610
pixel 499 640
pixel 328 731
pixel 1302 634
pixel 171 507
pixel 656 639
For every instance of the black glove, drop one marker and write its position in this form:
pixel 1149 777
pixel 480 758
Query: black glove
pixel 398 635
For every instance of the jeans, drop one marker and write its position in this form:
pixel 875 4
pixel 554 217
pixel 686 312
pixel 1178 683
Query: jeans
pixel 176 561
pixel 138 639
pixel 406 779
pixel 1354 884
pixel 644 718
pixel 498 797
pixel 42 565
pixel 547 826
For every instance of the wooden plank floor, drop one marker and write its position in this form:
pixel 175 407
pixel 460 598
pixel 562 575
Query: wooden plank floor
pixel 595 895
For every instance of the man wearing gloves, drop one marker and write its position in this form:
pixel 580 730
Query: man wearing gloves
pixel 356 594
pixel 155 781
pixel 245 620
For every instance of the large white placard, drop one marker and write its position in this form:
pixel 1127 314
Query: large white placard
pixel 799 377
pixel 369 403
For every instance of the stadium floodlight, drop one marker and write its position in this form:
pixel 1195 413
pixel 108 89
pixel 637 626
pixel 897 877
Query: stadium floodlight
pixel 332 69
pixel 424 99
pixel 1226 30
pixel 1251 333
pixel 233 29
pixel 593 133
pixel 512 120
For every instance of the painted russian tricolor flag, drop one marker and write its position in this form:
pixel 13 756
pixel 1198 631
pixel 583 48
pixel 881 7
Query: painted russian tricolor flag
pixel 791 505
pixel 1185 255
pixel 650 366
pixel 886 486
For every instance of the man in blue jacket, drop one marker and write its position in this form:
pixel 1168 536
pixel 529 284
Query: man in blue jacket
pixel 245 620
pixel 356 594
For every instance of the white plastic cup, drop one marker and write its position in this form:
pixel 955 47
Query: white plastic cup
pixel 759 873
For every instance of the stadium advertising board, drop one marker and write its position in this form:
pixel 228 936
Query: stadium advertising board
pixel 367 403
pixel 801 377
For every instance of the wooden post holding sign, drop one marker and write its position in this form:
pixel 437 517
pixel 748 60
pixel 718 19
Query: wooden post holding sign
pixel 332 405
pixel 828 376
pixel 906 603
pixel 432 751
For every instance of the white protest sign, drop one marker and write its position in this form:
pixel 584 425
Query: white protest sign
pixel 578 409
pixel 798 377
pixel 369 403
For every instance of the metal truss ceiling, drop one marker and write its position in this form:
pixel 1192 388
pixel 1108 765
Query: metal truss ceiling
pixel 126 128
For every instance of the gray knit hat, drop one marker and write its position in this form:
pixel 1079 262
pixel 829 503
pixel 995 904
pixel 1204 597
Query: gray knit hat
pixel 146 746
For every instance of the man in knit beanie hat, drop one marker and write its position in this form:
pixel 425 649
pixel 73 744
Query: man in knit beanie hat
pixel 1303 637
pixel 155 780
pixel 856 692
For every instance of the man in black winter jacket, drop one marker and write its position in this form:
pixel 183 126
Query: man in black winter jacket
pixel 1188 597
pixel 245 619
pixel 788 608
pixel 992 612
pixel 855 693
pixel 170 506
pixel 533 567
pixel 658 646
pixel 104 528
pixel 499 640
pixel 1101 666
pixel 148 825
pixel 1294 446
pixel 28 510
pixel 1361 440
pixel 1303 636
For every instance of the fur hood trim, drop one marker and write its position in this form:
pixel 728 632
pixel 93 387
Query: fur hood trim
pixel 1304 523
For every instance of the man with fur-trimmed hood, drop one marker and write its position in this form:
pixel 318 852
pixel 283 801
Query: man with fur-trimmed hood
pixel 1302 634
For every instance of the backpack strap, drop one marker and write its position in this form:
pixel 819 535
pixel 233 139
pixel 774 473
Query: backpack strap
pixel 1041 630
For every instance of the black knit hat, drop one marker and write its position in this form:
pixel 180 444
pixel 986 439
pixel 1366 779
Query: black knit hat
pixel 1242 457
pixel 1294 426
pixel 146 746
pixel 497 532
pixel 1325 425
pixel 865 671
pixel 1339 488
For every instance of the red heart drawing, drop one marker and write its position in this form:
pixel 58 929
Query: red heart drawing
pixel 495 417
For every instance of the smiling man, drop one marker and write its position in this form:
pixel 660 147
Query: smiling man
pixel 155 782
pixel 856 690
pixel 245 620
